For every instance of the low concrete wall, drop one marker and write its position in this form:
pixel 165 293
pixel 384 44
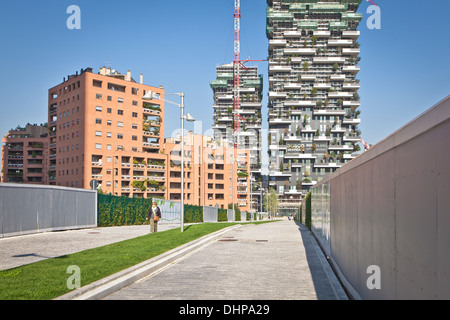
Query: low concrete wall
pixel 26 209
pixel 390 207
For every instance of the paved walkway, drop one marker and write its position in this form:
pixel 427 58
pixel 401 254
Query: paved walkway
pixel 273 261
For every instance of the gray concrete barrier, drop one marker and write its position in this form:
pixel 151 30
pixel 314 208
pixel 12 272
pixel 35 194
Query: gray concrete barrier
pixel 26 209
pixel 384 217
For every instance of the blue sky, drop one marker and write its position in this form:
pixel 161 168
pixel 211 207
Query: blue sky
pixel 178 44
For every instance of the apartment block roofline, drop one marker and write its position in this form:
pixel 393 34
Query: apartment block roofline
pixel 107 71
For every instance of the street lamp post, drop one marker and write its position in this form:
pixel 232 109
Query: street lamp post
pixel 151 95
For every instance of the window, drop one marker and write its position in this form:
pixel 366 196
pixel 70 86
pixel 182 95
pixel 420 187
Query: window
pixel 97 83
pixel 134 138
pixel 119 136
pixel 120 100
pixel 108 147
pixel 98 121
pixel 108 98
pixel 98 133
pixel 134 126
pixel 134 103
pixel 108 122
pixel 108 134
pixel 98 146
pixel 120 124
pixel 134 114
pixel 120 112
pixel 134 90
pixel 98 96
pixel 98 108
pixel 108 110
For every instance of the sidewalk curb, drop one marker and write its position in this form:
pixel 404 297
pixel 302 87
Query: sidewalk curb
pixel 106 286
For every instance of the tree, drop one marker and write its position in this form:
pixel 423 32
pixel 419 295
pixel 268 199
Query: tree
pixel 271 202
pixel 305 66
pixel 335 67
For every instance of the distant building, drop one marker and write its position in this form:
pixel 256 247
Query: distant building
pixel 313 99
pixel 208 172
pixel 249 116
pixel 25 155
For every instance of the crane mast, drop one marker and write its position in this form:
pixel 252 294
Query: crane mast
pixel 236 69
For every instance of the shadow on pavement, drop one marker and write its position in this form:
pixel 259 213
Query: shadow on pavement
pixel 322 284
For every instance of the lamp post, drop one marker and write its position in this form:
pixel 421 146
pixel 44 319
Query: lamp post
pixel 150 95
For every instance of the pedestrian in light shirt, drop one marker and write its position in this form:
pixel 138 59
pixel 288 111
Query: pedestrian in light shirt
pixel 154 214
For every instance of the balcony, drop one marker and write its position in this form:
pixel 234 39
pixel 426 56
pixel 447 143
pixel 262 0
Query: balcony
pixel 322 85
pixel 337 77
pixel 328 165
pixel 342 94
pixel 350 34
pixel 299 156
pixel 340 147
pixel 352 103
pixel 299 103
pixel 353 122
pixel 340 42
pixel 329 112
pixel 351 51
pixel 153 134
pixel 322 34
pixel 302 51
pixel 322 138
pixel 150 145
pixel 273 69
pixel 292 85
pixel 329 60
pixel 151 112
pixel 308 78
pixel 293 34
pixel 277 95
pixel 351 139
pixel 277 43
pixel 351 86
pixel 351 69
pixel 279 121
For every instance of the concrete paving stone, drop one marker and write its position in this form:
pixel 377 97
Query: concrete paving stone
pixel 284 264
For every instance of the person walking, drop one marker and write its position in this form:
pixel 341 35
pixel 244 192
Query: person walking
pixel 154 214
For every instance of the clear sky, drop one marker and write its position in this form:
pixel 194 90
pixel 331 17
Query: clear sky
pixel 405 66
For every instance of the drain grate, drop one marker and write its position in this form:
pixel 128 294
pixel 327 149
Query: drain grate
pixel 228 239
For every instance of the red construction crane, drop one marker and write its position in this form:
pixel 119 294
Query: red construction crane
pixel 237 65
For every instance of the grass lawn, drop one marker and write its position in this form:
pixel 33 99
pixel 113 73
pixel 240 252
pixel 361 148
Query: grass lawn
pixel 47 279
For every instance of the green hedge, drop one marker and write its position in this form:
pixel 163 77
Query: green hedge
pixel 120 211
pixel 193 214
pixel 308 210
pixel 222 215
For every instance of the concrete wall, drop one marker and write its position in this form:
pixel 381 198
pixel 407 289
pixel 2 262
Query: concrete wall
pixel 26 209
pixel 390 207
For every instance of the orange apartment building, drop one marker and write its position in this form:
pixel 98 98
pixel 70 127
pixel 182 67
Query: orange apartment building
pixel 100 128
pixel 24 155
pixel 208 172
